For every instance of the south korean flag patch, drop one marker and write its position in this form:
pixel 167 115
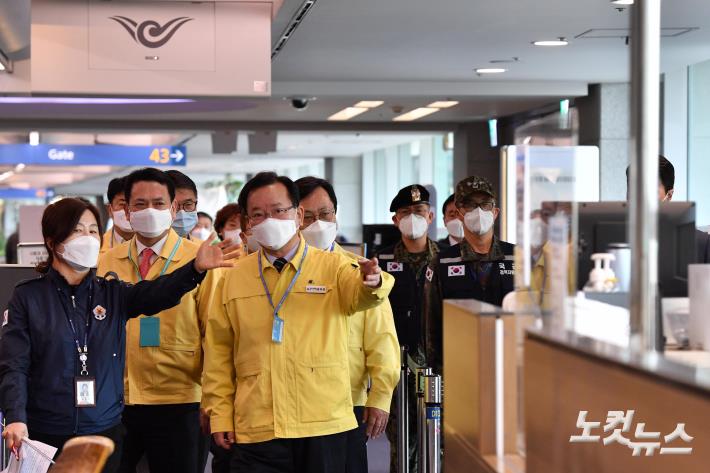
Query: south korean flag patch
pixel 99 313
pixel 394 267
pixel 457 270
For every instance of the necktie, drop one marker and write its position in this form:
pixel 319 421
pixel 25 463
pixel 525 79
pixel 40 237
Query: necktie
pixel 279 264
pixel 145 264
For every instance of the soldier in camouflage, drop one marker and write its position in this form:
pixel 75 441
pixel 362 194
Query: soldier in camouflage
pixel 480 267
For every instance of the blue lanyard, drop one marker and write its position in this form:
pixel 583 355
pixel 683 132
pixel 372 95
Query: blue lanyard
pixel 165 266
pixel 278 322
pixel 83 351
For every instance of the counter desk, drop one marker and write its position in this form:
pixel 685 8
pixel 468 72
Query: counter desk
pixel 513 393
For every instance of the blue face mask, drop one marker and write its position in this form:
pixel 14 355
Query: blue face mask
pixel 184 222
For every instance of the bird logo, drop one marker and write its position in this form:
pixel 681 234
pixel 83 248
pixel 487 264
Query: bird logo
pixel 149 33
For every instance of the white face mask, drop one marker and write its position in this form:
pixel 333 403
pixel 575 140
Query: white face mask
pixel 252 245
pixel 232 235
pixel 274 233
pixel 150 222
pixel 479 221
pixel 121 221
pixel 320 234
pixel 455 228
pixel 413 226
pixel 82 253
pixel 201 233
pixel 537 232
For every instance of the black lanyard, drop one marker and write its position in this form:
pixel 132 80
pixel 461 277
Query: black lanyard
pixel 83 351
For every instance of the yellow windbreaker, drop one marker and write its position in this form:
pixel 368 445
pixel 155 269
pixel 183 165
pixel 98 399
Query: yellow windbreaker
pixel 300 387
pixel 170 373
pixel 374 353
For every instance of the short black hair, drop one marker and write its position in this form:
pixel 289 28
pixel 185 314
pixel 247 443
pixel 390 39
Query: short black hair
pixel 148 175
pixel 267 178
pixel 115 187
pixel 181 181
pixel 449 200
pixel 666 173
pixel 204 214
pixel 307 185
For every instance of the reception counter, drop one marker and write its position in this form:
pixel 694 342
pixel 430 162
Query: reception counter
pixel 513 394
pixel 566 373
pixel 481 400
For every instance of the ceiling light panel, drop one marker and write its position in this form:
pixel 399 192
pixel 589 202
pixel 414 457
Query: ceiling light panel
pixel 443 104
pixel 552 43
pixel 490 70
pixel 415 114
pixel 347 113
pixel 369 103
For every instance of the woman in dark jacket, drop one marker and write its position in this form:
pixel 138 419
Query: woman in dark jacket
pixel 62 349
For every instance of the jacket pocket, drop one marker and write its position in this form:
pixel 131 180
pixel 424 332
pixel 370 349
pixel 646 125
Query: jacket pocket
pixel 253 405
pixel 178 367
pixel 323 392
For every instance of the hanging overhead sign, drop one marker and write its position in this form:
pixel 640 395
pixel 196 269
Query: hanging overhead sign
pixel 152 47
pixel 82 155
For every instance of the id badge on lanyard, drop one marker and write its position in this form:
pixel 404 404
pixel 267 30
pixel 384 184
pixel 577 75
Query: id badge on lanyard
pixel 277 329
pixel 84 385
pixel 84 391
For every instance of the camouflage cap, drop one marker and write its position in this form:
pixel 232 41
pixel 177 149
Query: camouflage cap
pixel 471 185
pixel 410 195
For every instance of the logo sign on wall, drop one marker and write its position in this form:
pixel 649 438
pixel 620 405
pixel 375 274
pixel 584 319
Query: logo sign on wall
pixel 161 48
pixel 152 35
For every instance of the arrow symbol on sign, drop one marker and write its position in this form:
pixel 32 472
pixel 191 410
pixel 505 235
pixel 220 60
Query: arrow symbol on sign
pixel 177 155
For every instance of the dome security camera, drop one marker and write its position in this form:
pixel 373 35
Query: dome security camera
pixel 299 103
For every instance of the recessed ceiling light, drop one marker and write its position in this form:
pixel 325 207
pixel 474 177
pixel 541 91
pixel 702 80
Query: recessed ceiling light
pixel 369 103
pixel 490 70
pixel 347 113
pixel 443 104
pixel 415 114
pixel 552 43
pixel 622 2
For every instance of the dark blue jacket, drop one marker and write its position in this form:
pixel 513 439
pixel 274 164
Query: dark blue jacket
pixel 38 354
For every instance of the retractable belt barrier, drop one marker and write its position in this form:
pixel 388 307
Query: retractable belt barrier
pixel 421 418
pixel 403 415
pixel 429 393
pixel 432 402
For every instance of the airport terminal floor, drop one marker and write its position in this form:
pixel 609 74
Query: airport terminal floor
pixel 321 236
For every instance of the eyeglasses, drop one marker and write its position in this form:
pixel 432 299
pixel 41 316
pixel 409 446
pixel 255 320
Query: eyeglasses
pixel 259 216
pixel 485 206
pixel 187 205
pixel 324 214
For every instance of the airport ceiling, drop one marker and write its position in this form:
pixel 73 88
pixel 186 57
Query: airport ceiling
pixel 407 53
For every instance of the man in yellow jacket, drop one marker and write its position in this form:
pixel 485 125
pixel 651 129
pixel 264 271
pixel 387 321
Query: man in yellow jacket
pixel 276 374
pixel 164 354
pixel 373 345
pixel 116 207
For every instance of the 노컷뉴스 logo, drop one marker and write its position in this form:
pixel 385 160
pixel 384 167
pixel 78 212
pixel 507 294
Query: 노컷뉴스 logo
pixel 618 429
pixel 149 33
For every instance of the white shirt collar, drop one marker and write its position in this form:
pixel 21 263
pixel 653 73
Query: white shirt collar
pixel 157 248
pixel 288 257
pixel 117 238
